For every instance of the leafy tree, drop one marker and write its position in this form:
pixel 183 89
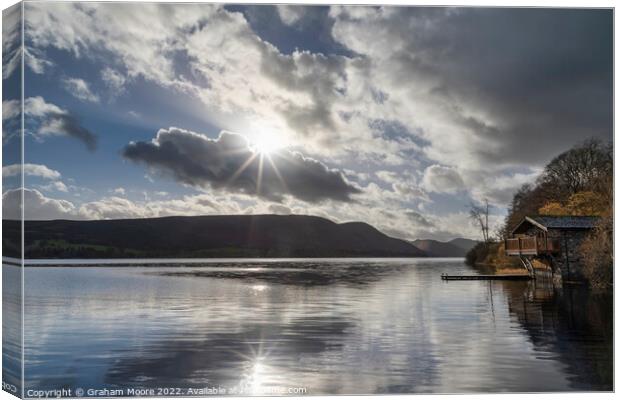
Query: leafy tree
pixel 554 208
pixel 581 203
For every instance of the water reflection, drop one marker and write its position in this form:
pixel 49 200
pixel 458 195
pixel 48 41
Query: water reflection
pixel 387 326
pixel 572 323
pixel 225 357
pixel 302 274
pixel 11 327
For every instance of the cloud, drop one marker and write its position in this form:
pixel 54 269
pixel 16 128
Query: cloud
pixel 499 190
pixel 279 209
pixel 388 176
pixel 442 179
pixel 10 109
pixel 38 107
pixel 113 80
pixel 229 163
pixel 115 207
pixel 56 186
pixel 47 119
pixel 11 40
pixel 36 206
pixel 411 192
pixel 111 208
pixel 66 124
pixel 80 89
pixel 418 219
pixel 460 79
pixel 119 190
pixel 37 170
pixel 12 46
pixel 36 61
pixel 314 99
pixel 290 14
pixel 483 83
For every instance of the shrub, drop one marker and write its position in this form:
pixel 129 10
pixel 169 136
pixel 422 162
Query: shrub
pixel 479 254
pixel 597 254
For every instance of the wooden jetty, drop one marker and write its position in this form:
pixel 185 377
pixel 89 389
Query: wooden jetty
pixel 507 277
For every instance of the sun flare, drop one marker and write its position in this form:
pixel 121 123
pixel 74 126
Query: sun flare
pixel 267 143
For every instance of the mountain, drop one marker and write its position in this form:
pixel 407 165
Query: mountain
pixel 465 244
pixel 453 248
pixel 209 236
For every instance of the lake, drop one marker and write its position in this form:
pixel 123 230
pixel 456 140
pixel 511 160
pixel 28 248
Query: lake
pixel 348 326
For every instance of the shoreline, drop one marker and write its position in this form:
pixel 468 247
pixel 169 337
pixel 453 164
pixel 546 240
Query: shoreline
pixel 134 262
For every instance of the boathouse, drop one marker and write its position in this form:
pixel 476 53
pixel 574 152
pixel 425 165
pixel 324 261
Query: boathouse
pixel 553 241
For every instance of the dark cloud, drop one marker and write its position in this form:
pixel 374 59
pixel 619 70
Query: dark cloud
pixel 229 163
pixel 547 73
pixel 528 78
pixel 44 119
pixel 69 125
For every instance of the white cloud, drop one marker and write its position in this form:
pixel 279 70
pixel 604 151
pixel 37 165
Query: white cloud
pixel 388 176
pixel 38 107
pixel 57 186
pixel 290 14
pixel 36 61
pixel 80 89
pixel 442 179
pixel 499 190
pixel 114 80
pixel 111 208
pixel 37 170
pixel 11 40
pixel 411 192
pixel 313 99
pixel 10 109
pixel 36 206
pixel 279 209
pixel 119 190
pixel 116 207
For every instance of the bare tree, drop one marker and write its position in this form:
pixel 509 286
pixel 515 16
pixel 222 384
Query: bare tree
pixel 579 168
pixel 480 216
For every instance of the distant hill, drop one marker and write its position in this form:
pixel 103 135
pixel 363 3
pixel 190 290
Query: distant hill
pixel 453 248
pixel 465 244
pixel 209 236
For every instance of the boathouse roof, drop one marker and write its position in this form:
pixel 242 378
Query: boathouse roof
pixel 556 222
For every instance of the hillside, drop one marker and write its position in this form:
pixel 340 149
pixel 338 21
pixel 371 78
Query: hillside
pixel 454 248
pixel 465 244
pixel 209 236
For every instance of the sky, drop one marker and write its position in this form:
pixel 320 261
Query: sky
pixel 400 117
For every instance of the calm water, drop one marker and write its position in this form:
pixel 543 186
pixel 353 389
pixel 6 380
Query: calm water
pixel 347 326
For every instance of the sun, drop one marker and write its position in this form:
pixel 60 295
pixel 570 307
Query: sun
pixel 267 143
